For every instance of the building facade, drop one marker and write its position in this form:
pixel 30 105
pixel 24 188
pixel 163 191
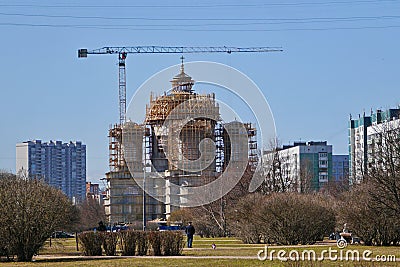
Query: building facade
pixel 62 165
pixel 362 133
pixel 340 168
pixel 93 192
pixel 303 166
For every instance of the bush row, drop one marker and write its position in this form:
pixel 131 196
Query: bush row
pixel 132 243
pixel 283 218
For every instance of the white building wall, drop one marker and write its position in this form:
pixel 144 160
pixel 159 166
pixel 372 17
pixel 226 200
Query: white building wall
pixel 291 164
pixel 22 162
pixel 374 138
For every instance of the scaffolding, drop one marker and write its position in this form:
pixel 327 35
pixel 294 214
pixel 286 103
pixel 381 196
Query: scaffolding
pixel 129 145
pixel 182 141
pixel 133 138
pixel 219 145
pixel 253 148
pixel 180 121
pixel 116 153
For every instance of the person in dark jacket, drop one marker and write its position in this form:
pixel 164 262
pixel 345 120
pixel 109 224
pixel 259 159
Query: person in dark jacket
pixel 189 230
pixel 102 227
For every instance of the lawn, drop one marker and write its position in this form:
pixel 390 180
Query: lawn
pixel 186 262
pixel 228 252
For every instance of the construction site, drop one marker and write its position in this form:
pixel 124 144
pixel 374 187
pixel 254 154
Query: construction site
pixel 182 141
pixel 162 145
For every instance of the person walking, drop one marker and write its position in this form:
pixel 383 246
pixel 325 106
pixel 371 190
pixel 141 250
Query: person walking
pixel 189 230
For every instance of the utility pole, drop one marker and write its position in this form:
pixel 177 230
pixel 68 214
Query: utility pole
pixel 144 198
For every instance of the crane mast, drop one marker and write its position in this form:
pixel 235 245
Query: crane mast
pixel 123 51
pixel 122 87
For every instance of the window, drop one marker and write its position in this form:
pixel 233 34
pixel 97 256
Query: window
pixel 323 177
pixel 323 164
pixel 323 155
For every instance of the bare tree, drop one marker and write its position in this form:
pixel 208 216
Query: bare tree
pixel 336 188
pixel 284 173
pixel 91 213
pixel 304 181
pixel 367 218
pixel 30 212
pixel 375 203
pixel 214 219
pixel 6 248
pixel 278 175
pixel 384 166
pixel 215 215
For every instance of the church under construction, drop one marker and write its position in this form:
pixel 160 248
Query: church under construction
pixel 169 147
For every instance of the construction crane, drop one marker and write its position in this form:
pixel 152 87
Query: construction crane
pixel 124 51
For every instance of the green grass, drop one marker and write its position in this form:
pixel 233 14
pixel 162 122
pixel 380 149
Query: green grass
pixel 226 247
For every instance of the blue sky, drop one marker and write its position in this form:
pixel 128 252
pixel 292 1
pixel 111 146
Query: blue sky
pixel 340 57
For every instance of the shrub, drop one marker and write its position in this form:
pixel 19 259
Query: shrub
pixel 91 243
pixel 134 242
pixel 142 243
pixel 167 243
pixel 110 243
pixel 178 244
pixel 30 211
pixel 127 242
pixel 172 243
pixel 297 218
pixel 286 218
pixel 155 242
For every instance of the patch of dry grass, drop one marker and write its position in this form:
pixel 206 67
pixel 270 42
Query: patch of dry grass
pixel 228 247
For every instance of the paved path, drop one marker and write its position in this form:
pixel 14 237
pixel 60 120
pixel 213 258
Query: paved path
pixel 61 258
pixel 53 257
pixel 79 257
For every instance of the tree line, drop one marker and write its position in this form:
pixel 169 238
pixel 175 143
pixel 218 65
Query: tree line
pixel 276 213
pixel 284 211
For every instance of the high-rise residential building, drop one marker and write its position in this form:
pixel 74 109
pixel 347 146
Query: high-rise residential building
pixel 303 165
pixel 362 132
pixel 340 168
pixel 62 165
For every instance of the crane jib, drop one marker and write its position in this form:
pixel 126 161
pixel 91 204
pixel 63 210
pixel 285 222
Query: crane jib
pixel 123 51
pixel 175 49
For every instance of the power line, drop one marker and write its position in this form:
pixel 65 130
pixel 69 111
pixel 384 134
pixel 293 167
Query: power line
pixel 105 27
pixel 310 19
pixel 290 4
